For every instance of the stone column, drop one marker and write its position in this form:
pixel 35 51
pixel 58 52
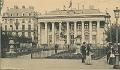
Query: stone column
pixel 46 33
pixel 39 33
pixel 90 31
pixel 68 31
pixel 60 25
pixel 60 39
pixel 98 32
pixel 83 36
pixel 75 30
pixel 53 33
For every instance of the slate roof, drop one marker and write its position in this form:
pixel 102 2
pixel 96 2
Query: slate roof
pixel 71 12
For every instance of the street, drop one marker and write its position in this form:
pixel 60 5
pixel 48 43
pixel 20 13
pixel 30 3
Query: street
pixel 52 64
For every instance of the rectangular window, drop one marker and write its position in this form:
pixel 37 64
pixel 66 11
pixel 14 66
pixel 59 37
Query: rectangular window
pixel 94 27
pixel 29 34
pixel 11 27
pixel 17 33
pixel 86 26
pixel 94 39
pixel 29 27
pixel 71 26
pixel 57 38
pixel 50 39
pixel 16 27
pixel 11 21
pixel 72 36
pixel 5 20
pixel 102 24
pixel 5 27
pixel 86 37
pixel 23 20
pixel 29 21
pixel 23 14
pixel 23 27
pixel 79 26
pixel 17 21
pixel 72 39
pixel 11 15
pixel 23 33
pixel 17 14
pixel 29 14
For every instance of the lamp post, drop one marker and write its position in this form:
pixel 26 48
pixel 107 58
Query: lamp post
pixel 116 65
pixel 107 20
pixel 1 5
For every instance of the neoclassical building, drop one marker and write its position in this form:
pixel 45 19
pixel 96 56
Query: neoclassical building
pixel 60 27
pixel 77 26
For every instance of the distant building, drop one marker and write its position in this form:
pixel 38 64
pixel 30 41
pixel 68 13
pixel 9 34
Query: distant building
pixel 20 21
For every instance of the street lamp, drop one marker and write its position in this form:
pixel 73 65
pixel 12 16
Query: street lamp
pixel 107 20
pixel 1 5
pixel 116 66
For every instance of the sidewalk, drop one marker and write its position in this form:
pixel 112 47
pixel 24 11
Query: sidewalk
pixel 53 64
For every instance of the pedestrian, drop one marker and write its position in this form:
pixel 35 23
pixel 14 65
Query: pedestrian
pixel 108 51
pixel 119 50
pixel 83 52
pixel 88 60
pixel 56 48
pixel 111 60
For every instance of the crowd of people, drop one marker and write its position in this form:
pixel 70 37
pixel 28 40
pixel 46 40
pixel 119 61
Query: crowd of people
pixel 86 52
pixel 111 51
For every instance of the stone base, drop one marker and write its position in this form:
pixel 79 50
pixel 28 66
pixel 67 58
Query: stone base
pixel 116 67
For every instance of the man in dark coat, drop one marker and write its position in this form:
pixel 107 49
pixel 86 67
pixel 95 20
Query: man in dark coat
pixel 119 51
pixel 83 52
pixel 56 48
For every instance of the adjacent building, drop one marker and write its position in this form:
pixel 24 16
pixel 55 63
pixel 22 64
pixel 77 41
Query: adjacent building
pixel 20 21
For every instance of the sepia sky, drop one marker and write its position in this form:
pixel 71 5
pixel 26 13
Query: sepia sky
pixel 48 5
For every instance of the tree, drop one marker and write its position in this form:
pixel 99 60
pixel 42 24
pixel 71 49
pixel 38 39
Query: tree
pixel 4 44
pixel 113 34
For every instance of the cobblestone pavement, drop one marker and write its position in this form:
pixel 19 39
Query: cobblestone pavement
pixel 53 64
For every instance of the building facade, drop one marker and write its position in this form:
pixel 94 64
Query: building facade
pixel 20 21
pixel 77 26
pixel 60 27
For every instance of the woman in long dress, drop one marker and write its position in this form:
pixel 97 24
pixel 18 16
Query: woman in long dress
pixel 111 60
pixel 88 55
